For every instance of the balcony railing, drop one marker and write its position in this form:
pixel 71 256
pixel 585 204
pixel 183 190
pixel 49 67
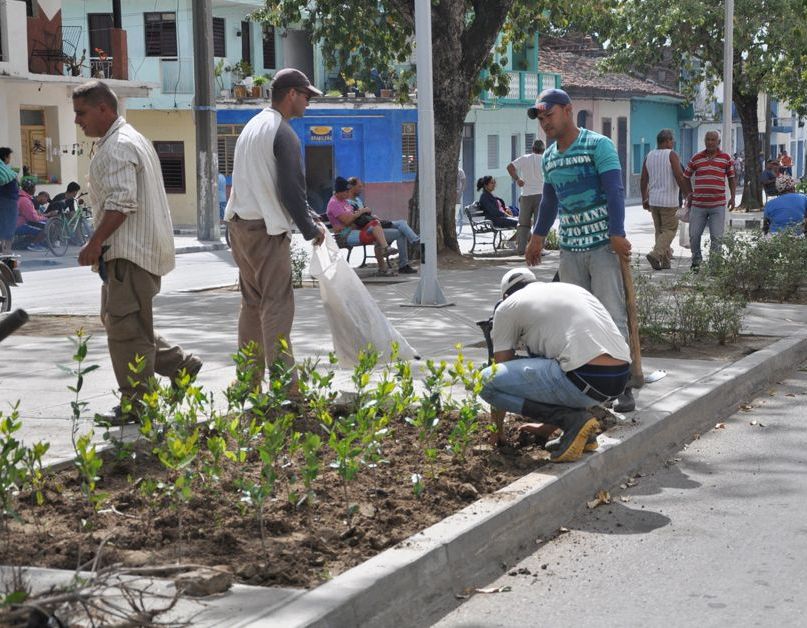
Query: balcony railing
pixel 101 68
pixel 524 87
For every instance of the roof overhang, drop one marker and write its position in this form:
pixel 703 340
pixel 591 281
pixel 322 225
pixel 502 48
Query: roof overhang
pixel 123 89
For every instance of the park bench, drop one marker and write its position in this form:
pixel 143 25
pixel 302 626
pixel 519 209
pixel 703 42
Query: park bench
pixel 480 225
pixel 348 248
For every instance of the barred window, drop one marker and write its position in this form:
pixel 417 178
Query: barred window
pixel 172 164
pixel 227 137
pixel 493 151
pixel 219 41
pixel 269 53
pixel 161 34
pixel 409 147
pixel 529 139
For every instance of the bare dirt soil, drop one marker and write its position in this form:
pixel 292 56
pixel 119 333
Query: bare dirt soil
pixel 305 545
pixel 709 350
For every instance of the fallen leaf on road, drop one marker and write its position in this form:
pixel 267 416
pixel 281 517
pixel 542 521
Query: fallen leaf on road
pixel 772 392
pixel 624 498
pixel 494 590
pixel 746 407
pixel 602 497
pixel 563 530
pixel 790 394
pixel 753 423
pixel 631 482
pixel 720 426
pixel 696 436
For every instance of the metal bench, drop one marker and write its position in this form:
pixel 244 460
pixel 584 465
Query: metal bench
pixel 349 249
pixel 481 225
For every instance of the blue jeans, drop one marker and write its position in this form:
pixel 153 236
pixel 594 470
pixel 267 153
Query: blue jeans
pixel 537 379
pixel 598 271
pixel 699 217
pixel 403 234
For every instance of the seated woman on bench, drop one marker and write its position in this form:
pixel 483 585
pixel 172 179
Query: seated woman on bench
pixel 353 230
pixel 494 207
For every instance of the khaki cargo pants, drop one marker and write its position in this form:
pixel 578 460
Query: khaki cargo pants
pixel 126 312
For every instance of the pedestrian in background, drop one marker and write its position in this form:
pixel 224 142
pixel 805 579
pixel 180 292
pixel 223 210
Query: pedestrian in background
pixel 267 199
pixel 661 180
pixel 583 185
pixel 131 218
pixel 9 195
pixel 708 172
pixel 527 173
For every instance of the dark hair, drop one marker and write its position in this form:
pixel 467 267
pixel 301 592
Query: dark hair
pixel 96 92
pixel 663 136
pixel 29 185
pixel 73 187
pixel 483 181
pixel 538 147
pixel 5 152
pixel 279 93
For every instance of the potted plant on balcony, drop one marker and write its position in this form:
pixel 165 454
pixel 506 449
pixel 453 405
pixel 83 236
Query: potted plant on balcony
pixel 241 70
pixel 74 65
pixel 218 72
pixel 257 85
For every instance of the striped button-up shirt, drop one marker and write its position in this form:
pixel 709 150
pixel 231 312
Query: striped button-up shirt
pixel 708 175
pixel 125 176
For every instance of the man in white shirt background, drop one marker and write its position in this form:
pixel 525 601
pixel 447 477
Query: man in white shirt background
pixel 527 173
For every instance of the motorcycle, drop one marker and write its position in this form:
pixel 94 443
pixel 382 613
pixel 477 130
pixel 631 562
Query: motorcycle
pixel 10 275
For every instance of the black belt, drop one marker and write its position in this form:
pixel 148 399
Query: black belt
pixel 587 389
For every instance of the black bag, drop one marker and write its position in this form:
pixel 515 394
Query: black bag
pixel 362 221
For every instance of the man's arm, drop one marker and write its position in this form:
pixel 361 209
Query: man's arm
pixel 611 182
pixel 511 170
pixel 547 212
pixel 678 173
pixel 643 183
pixel 91 251
pixel 732 192
pixel 292 184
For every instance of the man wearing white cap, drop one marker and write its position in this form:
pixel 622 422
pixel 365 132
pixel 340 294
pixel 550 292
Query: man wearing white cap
pixel 583 187
pixel 267 200
pixel 577 359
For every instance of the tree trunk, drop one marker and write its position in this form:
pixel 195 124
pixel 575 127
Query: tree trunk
pixel 459 51
pixel 747 110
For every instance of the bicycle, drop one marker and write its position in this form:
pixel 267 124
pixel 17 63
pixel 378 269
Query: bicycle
pixel 68 228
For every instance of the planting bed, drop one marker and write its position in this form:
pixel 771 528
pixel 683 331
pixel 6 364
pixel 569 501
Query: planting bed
pixel 305 545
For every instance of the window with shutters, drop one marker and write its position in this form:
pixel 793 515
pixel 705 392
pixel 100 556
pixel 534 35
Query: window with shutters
pixel 161 34
pixel 227 136
pixel 172 164
pixel 219 40
pixel 269 54
pixel 493 151
pixel 529 139
pixel 409 147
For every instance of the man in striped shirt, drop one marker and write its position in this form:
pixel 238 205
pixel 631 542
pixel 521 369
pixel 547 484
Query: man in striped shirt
pixel 583 187
pixel 132 219
pixel 707 172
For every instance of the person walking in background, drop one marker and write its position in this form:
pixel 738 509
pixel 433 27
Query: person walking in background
pixel 583 185
pixel 9 195
pixel 461 179
pixel 222 190
pixel 527 173
pixel 707 172
pixel 739 169
pixel 267 199
pixel 786 162
pixel 662 177
pixel 131 218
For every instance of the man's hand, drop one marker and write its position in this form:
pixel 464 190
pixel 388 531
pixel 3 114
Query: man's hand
pixel 621 246
pixel 535 246
pixel 520 182
pixel 646 204
pixel 90 253
pixel 731 202
pixel 320 237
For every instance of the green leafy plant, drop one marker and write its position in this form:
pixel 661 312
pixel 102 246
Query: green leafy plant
pixel 89 463
pixel 80 341
pixel 427 415
pixel 20 466
pixel 299 262
pixel 552 242
pixel 467 425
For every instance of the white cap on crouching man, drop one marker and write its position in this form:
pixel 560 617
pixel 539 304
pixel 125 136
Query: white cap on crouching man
pixel 516 279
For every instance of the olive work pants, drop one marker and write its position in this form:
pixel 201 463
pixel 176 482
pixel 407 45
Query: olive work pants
pixel 127 315
pixel 665 223
pixel 267 294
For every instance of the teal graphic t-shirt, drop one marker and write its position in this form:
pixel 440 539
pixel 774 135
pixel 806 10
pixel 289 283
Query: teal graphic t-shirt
pixel 575 175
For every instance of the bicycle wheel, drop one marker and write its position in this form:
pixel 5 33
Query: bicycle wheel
pixel 55 236
pixel 5 294
pixel 83 233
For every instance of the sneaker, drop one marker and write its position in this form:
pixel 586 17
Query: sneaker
pixel 389 251
pixel 575 438
pixel 625 402
pixel 36 248
pixel 407 270
pixel 115 417
pixel 591 444
pixel 654 261
pixel 192 365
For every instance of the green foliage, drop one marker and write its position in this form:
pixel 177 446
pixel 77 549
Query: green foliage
pixel 89 463
pixel 20 466
pixel 299 261
pixel 467 425
pixel 79 371
pixel 552 242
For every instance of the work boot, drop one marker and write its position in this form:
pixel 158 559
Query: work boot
pixel 625 402
pixel 591 444
pixel 548 413
pixel 115 417
pixel 578 431
pixel 654 261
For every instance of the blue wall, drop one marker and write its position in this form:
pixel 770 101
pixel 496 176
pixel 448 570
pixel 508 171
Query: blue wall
pixel 366 143
pixel 647 118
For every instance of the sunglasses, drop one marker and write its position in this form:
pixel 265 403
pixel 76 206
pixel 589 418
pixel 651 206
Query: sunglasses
pixel 305 95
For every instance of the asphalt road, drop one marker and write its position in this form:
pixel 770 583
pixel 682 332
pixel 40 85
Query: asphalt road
pixel 716 537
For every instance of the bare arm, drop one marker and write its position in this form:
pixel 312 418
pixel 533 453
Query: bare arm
pixel 643 182
pixel 511 170
pixel 678 173
pixel 91 251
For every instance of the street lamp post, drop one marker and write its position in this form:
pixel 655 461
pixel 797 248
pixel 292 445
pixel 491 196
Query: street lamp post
pixel 728 69
pixel 428 292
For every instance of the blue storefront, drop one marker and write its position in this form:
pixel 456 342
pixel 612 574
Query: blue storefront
pixel 375 143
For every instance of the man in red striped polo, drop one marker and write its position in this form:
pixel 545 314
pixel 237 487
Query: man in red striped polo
pixel 707 172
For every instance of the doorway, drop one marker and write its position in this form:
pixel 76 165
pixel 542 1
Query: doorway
pixel 468 163
pixel 319 176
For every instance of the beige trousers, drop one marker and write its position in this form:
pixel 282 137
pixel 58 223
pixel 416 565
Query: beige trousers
pixel 666 228
pixel 527 215
pixel 267 295
pixel 127 315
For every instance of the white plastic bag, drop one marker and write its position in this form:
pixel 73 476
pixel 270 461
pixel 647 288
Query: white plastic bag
pixel 683 213
pixel 683 234
pixel 353 315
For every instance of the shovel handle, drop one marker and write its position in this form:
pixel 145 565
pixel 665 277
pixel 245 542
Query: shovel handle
pixel 637 378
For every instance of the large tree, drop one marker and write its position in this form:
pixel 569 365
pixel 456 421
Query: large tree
pixel 768 46
pixel 468 57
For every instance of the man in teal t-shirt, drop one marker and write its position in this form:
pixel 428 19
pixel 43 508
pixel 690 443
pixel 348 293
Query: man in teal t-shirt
pixel 583 186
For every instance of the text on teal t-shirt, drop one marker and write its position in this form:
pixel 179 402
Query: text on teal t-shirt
pixel 575 176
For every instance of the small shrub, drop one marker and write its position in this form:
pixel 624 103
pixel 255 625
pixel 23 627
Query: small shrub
pixel 552 242
pixel 299 262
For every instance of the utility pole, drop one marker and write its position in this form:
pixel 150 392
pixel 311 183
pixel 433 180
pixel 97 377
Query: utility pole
pixel 428 292
pixel 728 80
pixel 207 167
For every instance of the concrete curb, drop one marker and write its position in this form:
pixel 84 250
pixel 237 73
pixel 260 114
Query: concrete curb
pixel 415 583
pixel 201 247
